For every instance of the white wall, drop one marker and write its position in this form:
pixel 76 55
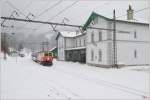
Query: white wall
pixel 97 45
pixel 125 52
pixel 125 49
pixel 126 44
pixel 70 42
pixel 61 47
pixel 142 32
pixel 100 46
pixel 80 41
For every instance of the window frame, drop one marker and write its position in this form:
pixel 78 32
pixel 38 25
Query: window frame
pixel 135 34
pixel 92 36
pixel 92 55
pixel 100 55
pixel 100 35
pixel 135 53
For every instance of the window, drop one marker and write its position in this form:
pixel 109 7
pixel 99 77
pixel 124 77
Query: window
pixel 92 37
pixel 135 54
pixel 76 42
pixel 95 20
pixel 135 34
pixel 100 55
pixel 84 42
pixel 79 42
pixel 100 35
pixel 92 55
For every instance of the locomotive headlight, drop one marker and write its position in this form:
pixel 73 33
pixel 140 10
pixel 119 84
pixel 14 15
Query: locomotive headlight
pixel 48 58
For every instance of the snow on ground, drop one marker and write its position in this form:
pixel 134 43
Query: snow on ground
pixel 21 78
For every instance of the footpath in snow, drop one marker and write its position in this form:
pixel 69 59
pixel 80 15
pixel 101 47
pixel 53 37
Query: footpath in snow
pixel 22 78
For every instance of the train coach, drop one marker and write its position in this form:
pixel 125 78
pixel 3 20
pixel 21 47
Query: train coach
pixel 44 58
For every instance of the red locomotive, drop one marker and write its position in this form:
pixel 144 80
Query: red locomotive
pixel 44 58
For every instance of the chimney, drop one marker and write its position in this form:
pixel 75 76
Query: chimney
pixel 130 12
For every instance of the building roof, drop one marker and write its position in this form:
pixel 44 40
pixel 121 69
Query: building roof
pixel 68 34
pixel 94 15
pixel 53 48
pixel 76 48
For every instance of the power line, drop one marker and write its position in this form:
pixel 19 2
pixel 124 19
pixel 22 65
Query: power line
pixel 29 4
pixel 41 13
pixel 9 3
pixel 51 7
pixel 60 24
pixel 66 8
pixel 137 11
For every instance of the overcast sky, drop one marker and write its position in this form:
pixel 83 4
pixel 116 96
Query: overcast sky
pixel 75 11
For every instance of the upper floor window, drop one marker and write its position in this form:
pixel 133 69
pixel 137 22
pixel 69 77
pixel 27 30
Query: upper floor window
pixel 79 42
pixel 95 20
pixel 100 35
pixel 84 42
pixel 135 54
pixel 76 42
pixel 92 37
pixel 135 34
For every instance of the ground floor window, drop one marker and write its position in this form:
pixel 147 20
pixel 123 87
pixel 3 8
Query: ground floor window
pixel 92 55
pixel 100 55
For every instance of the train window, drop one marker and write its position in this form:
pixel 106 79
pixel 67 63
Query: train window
pixel 46 54
pixel 50 54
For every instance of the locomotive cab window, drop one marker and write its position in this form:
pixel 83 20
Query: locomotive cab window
pixel 46 54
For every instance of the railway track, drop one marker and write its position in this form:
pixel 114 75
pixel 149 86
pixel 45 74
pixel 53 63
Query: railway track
pixel 100 82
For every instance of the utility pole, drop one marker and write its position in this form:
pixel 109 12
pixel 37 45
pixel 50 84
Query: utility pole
pixel 114 41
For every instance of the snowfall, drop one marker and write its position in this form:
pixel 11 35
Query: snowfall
pixel 22 78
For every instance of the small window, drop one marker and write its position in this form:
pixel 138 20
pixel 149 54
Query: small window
pixel 135 54
pixel 92 55
pixel 84 42
pixel 96 20
pixel 100 55
pixel 76 43
pixel 92 37
pixel 100 35
pixel 79 42
pixel 135 34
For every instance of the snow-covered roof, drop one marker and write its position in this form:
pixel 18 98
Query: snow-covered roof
pixel 53 48
pixel 76 48
pixel 69 34
pixel 94 15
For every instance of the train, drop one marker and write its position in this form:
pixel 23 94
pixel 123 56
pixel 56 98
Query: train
pixel 43 57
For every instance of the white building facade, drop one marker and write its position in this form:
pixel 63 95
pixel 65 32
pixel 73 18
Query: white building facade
pixel 71 46
pixel 132 42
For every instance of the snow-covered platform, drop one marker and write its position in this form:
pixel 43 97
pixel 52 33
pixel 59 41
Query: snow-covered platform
pixel 21 78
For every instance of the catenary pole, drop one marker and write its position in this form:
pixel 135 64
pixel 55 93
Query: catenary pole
pixel 114 41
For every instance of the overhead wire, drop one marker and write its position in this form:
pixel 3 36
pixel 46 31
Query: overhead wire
pixel 75 3
pixel 18 10
pixel 137 11
pixel 10 4
pixel 51 7
pixel 29 4
pixel 63 10
pixel 46 10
